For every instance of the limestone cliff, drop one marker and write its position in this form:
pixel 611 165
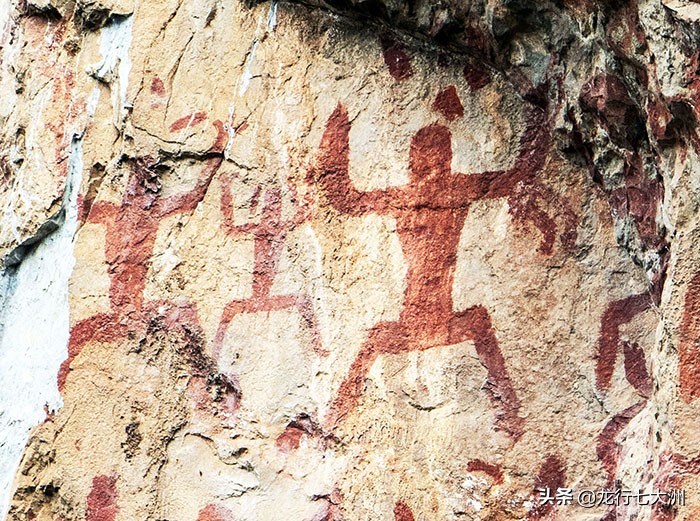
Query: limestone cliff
pixel 360 260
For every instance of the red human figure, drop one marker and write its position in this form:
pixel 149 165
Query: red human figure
pixel 269 236
pixel 430 213
pixel 130 237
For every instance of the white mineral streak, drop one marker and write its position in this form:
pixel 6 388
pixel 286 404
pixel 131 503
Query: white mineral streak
pixel 114 46
pixel 34 330
pixel 272 17
pixel 34 320
pixel 244 81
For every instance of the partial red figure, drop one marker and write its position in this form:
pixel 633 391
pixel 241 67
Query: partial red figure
pixel 689 346
pixel 269 236
pixel 430 213
pixel 617 314
pixel 130 237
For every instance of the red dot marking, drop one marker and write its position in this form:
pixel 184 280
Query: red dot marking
pixel 157 87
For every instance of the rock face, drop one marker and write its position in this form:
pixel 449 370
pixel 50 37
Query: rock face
pixel 348 260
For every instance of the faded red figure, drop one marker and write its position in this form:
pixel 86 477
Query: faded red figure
pixel 430 213
pixel 131 229
pixel 610 343
pixel 269 235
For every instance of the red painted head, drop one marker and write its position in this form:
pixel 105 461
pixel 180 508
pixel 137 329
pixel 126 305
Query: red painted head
pixel 431 152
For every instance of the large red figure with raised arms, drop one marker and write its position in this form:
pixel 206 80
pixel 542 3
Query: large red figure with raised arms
pixel 430 212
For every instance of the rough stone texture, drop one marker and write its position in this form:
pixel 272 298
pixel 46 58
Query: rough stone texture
pixel 347 260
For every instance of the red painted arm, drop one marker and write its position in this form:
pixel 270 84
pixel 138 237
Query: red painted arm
pixel 501 183
pixel 226 207
pixel 332 170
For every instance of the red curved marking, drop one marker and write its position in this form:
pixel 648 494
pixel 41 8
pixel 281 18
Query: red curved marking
pixel 607 448
pixel 448 104
pixel 493 471
pixel 524 206
pixel 188 121
pixel 102 499
pixel 689 345
pixel 221 137
pixel 617 314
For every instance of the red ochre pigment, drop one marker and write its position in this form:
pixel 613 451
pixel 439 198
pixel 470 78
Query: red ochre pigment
pixel 215 513
pixel 395 58
pixel 477 76
pixel 493 471
pixel 402 512
pixel 188 121
pixel 689 346
pixel 130 236
pixel 430 213
pixel 102 499
pixel 617 314
pixel 131 229
pixel 448 104
pixel 157 87
pixel 552 475
pixel 269 236
pixel 607 447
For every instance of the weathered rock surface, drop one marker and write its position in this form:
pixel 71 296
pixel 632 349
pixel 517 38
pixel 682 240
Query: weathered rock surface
pixel 347 260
